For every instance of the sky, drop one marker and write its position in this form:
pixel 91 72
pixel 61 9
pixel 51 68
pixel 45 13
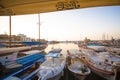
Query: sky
pixel 75 24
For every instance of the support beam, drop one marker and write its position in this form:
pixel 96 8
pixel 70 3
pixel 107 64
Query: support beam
pixel 10 31
pixel 39 27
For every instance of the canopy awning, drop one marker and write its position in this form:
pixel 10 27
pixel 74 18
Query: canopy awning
pixel 20 7
pixel 52 54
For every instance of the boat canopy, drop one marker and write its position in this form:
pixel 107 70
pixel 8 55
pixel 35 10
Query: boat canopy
pixel 52 54
pixel 21 7
pixel 30 58
pixel 32 43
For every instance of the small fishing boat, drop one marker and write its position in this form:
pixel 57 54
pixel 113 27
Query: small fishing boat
pixel 24 61
pixel 76 67
pixel 52 69
pixel 27 73
pixel 98 65
pixel 10 54
pixel 96 46
pixel 23 65
pixel 110 58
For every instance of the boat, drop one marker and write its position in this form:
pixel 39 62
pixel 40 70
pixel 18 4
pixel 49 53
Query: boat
pixel 114 50
pixel 55 50
pixel 27 73
pixel 10 54
pixel 22 64
pixel 76 67
pixel 110 58
pixel 98 65
pixel 52 69
pixel 96 46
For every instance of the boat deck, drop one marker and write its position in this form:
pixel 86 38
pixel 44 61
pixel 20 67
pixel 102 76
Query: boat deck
pixel 52 62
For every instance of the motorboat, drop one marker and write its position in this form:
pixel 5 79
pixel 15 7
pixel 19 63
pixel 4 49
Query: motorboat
pixel 22 64
pixel 52 69
pixel 76 67
pixel 110 59
pixel 98 65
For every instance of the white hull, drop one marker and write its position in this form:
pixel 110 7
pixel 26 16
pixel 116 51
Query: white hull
pixel 97 48
pixel 107 76
pixel 99 66
pixel 49 69
pixel 103 74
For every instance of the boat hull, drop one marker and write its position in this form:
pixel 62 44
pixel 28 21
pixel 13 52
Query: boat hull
pixel 102 73
pixel 49 71
pixel 79 76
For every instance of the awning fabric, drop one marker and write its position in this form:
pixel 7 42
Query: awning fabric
pixel 21 7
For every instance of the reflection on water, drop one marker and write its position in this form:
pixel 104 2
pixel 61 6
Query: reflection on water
pixel 64 46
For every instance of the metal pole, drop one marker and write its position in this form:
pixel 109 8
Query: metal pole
pixel 39 27
pixel 10 31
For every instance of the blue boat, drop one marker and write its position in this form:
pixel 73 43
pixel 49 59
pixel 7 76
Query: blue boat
pixel 23 65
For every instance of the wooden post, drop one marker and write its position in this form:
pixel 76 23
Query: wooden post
pixel 39 28
pixel 10 31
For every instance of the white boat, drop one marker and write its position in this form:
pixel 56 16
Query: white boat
pixel 116 51
pixel 10 54
pixel 99 66
pixel 77 68
pixel 110 58
pixel 52 69
pixel 97 48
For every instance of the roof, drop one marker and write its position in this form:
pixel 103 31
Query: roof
pixel 20 7
pixel 32 43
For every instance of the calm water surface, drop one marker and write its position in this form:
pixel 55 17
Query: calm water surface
pixel 64 46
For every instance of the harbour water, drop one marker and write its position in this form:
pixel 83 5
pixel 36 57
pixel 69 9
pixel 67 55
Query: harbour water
pixel 64 46
pixel 74 48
